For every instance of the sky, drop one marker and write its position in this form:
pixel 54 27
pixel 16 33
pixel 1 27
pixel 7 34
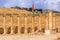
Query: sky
pixel 38 4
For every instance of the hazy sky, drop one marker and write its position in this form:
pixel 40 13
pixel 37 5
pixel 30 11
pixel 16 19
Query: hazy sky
pixel 41 4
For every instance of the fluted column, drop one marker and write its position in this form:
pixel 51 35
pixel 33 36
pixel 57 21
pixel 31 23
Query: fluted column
pixel 4 24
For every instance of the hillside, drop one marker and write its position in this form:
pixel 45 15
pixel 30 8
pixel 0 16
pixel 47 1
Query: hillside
pixel 12 10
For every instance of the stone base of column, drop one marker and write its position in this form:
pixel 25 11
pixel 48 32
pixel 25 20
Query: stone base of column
pixel 18 32
pixel 47 32
pixel 32 31
pixel 5 32
pixel 12 32
pixel 25 32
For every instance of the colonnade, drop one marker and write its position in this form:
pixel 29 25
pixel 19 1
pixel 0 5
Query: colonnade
pixel 50 23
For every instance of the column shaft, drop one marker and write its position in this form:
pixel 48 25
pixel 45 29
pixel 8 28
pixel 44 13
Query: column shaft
pixel 40 22
pixel 12 28
pixel 25 25
pixel 32 24
pixel 4 21
pixel 50 20
pixel 18 25
pixel 54 22
pixel 47 22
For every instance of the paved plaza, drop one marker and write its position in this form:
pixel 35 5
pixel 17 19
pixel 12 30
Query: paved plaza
pixel 28 37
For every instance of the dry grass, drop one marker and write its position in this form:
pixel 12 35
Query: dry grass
pixel 10 10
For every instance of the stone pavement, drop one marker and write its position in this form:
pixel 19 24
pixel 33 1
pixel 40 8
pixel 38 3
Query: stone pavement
pixel 28 37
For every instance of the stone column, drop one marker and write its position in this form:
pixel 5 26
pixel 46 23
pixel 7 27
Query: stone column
pixel 4 24
pixel 19 25
pixel 47 30
pixel 26 24
pixel 54 21
pixel 40 22
pixel 50 20
pixel 47 22
pixel 12 28
pixel 32 24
